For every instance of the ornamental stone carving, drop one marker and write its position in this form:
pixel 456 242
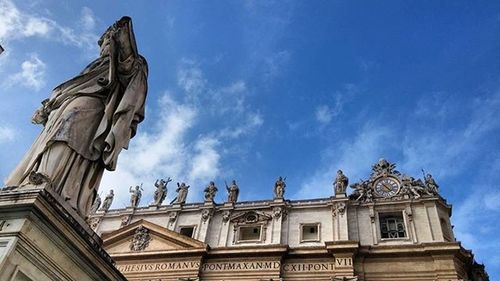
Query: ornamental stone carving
pixel 338 209
pixel 225 216
pixel 172 217
pixel 125 220
pixel 386 183
pixel 141 239
pixel 206 214
pixel 94 223
pixel 278 212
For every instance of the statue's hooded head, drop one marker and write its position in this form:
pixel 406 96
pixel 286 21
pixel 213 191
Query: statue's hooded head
pixel 123 33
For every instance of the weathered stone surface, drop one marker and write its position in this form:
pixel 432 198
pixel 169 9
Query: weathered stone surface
pixel 87 121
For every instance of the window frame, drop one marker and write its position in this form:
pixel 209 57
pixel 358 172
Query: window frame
pixel 188 226
pixel 396 214
pixel 318 229
pixel 261 227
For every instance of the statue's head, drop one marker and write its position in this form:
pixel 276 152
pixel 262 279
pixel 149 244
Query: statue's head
pixel 111 191
pixel 234 181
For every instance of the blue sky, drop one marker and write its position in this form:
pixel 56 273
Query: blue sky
pixel 252 90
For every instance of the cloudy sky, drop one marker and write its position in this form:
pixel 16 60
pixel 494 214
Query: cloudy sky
pixel 251 90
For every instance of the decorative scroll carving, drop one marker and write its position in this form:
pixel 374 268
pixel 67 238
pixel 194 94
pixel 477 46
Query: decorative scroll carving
pixel 126 220
pixel 225 216
pixel 250 217
pixel 141 239
pixel 338 209
pixel 172 217
pixel 344 278
pixel 279 212
pixel 94 223
pixel 206 214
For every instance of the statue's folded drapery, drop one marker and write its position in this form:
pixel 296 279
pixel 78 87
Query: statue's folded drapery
pixel 90 118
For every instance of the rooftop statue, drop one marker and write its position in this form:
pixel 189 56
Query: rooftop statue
pixel 210 191
pixel 341 182
pixel 87 121
pixel 106 204
pixel 161 191
pixel 182 192
pixel 135 195
pixel 96 204
pixel 279 188
pixel 232 192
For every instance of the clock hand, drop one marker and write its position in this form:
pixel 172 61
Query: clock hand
pixel 386 187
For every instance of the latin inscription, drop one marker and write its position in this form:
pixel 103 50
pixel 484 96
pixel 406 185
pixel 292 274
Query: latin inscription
pixel 343 262
pixel 225 266
pixel 237 266
pixel 160 266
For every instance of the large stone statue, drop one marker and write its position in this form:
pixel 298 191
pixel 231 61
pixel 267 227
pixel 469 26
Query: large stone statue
pixel 135 195
pixel 182 192
pixel 210 192
pixel 232 192
pixel 279 188
pixel 87 121
pixel 341 182
pixel 108 200
pixel 161 191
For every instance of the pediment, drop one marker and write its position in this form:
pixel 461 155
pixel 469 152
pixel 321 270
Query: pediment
pixel 148 238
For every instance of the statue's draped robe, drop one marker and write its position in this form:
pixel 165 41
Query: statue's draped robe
pixel 86 129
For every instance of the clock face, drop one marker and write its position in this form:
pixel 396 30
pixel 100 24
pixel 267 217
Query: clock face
pixel 387 187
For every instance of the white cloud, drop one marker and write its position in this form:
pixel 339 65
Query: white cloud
pixel 87 19
pixel 17 24
pixel 7 134
pixel 190 78
pixel 253 122
pixel 324 114
pixel 31 75
pixel 276 63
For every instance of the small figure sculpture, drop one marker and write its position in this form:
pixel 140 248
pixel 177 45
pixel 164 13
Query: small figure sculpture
pixel 87 121
pixel 135 196
pixel 232 192
pixel 161 191
pixel 384 168
pixel 182 191
pixel 341 182
pixel 431 184
pixel 279 188
pixel 108 200
pixel 210 191
pixel 362 191
pixel 96 205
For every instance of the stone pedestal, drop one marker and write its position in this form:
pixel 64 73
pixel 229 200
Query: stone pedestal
pixel 42 239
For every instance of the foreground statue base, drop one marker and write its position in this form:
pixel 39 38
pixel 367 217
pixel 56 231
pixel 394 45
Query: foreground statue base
pixel 42 239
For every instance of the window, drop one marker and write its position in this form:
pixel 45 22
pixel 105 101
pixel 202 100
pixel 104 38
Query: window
pixel 187 231
pixel 249 233
pixel 392 226
pixel 309 232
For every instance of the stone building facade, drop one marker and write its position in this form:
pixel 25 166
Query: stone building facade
pixel 392 227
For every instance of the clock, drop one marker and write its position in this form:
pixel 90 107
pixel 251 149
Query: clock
pixel 387 187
